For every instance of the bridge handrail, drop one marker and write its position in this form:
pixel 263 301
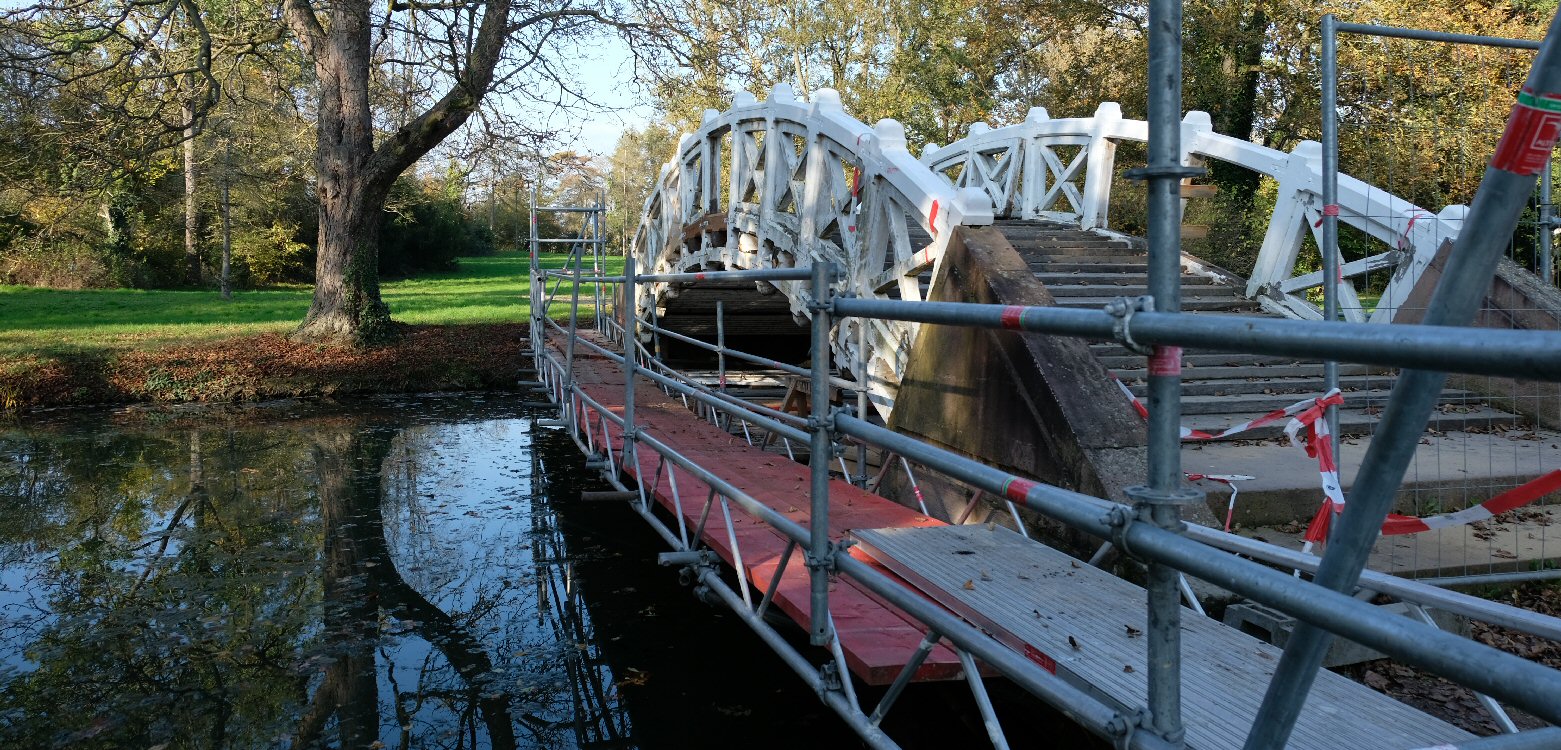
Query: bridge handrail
pixel 1005 162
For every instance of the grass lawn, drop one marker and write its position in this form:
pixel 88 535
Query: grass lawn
pixel 36 321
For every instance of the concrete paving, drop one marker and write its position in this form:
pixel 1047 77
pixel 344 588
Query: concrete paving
pixel 1521 541
pixel 1450 472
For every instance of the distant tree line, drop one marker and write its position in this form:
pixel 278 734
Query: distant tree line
pixel 53 235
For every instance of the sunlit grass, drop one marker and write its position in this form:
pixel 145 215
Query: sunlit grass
pixel 492 289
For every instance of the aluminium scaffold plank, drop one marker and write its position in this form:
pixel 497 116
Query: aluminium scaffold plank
pixel 1086 625
pixel 876 638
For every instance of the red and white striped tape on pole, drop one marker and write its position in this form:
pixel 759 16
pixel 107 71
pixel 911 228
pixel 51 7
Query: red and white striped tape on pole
pixel 1309 431
pixel 1302 414
pixel 1318 443
pixel 1229 480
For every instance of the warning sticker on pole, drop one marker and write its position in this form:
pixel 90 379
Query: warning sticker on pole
pixel 1166 360
pixel 1531 133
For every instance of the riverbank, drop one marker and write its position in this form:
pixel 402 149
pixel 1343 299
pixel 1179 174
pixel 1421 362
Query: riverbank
pixel 268 365
pixel 462 330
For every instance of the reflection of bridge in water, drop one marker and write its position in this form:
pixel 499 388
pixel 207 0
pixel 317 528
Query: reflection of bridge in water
pixel 978 342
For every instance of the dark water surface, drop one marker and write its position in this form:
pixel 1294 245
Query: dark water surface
pixel 401 573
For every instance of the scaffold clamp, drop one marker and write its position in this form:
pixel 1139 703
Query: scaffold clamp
pixel 1122 309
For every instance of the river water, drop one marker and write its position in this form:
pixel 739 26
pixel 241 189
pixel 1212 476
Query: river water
pixel 409 572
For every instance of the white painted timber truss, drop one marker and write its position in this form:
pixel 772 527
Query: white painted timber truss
pixel 781 183
pixel 1063 169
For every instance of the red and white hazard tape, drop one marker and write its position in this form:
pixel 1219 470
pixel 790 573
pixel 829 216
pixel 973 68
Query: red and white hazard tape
pixel 1396 524
pixel 1403 242
pixel 1308 431
pixel 1302 414
pixel 1516 497
pixel 1274 416
pixel 1318 443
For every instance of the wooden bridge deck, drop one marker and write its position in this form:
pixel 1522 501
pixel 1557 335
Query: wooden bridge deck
pixel 1085 625
pixel 877 638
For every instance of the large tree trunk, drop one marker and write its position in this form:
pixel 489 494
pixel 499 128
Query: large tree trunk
pixel 227 222
pixel 347 475
pixel 347 306
pixel 362 583
pixel 354 176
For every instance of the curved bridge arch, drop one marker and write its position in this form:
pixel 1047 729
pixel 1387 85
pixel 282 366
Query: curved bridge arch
pixel 782 181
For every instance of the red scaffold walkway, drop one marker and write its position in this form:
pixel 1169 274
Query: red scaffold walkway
pixel 877 638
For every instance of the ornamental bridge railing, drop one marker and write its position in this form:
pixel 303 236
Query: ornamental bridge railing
pixel 782 182
pixel 1063 170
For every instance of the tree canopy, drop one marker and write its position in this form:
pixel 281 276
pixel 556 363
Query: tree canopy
pixel 303 120
pixel 1419 117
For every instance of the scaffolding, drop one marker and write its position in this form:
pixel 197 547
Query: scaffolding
pixel 1150 529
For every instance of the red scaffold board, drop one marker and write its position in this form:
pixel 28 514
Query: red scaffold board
pixel 877 638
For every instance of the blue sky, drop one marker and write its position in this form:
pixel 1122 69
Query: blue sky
pixel 606 76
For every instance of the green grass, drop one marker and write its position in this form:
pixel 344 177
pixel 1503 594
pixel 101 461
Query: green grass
pixel 491 289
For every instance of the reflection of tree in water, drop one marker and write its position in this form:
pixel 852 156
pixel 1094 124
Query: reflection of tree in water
pixel 236 589
pixel 360 582
pixel 155 606
pixel 505 572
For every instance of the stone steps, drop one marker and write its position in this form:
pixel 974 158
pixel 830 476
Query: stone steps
pixel 1357 421
pixel 1261 403
pixel 1198 360
pixel 1190 292
pixel 1054 281
pixel 1294 387
pixel 1048 264
pixel 1085 270
pixel 1265 372
pixel 1470 451
pixel 1190 303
